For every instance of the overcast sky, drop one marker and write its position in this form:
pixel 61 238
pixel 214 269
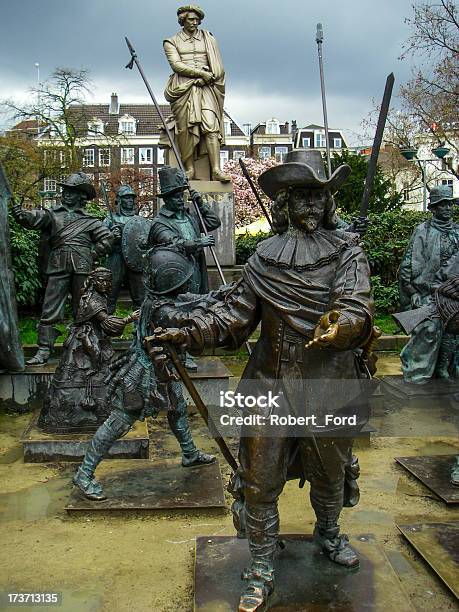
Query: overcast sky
pixel 268 49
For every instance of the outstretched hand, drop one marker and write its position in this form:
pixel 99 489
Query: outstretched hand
pixel 326 331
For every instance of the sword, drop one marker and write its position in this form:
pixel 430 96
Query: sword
pixel 245 172
pixel 196 399
pixel 373 163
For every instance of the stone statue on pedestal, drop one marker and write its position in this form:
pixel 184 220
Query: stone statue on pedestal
pixel 76 399
pixel 196 92
pixel 309 286
pixel 76 239
pixel 130 232
pixel 433 244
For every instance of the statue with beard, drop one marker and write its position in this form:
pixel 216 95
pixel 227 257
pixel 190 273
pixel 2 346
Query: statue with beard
pixel 309 286
pixel 424 267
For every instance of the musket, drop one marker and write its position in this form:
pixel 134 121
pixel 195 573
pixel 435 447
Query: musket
pixel 373 163
pixel 149 340
pixel 134 60
pixel 319 41
pixel 245 172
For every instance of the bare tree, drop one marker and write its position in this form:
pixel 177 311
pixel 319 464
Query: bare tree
pixel 57 107
pixel 430 100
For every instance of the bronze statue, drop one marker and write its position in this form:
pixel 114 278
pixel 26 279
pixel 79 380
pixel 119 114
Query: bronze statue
pixel 308 282
pixel 76 399
pixel 75 240
pixel 139 386
pixel 175 225
pixel 196 92
pixel 433 243
pixel 11 357
pixel 130 232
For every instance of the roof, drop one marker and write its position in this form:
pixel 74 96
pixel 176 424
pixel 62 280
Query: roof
pixel 147 117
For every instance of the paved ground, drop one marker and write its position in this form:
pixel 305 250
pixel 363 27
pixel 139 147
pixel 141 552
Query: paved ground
pixel 135 562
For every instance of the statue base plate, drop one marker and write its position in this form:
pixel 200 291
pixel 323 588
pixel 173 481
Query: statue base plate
pixel 438 544
pixel 40 447
pixel 24 391
pixel 149 485
pixel 398 389
pixel 434 472
pixel 305 578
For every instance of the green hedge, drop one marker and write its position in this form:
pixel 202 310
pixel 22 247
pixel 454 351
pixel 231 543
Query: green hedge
pixel 385 243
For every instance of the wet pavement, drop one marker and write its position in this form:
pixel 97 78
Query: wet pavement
pixel 145 562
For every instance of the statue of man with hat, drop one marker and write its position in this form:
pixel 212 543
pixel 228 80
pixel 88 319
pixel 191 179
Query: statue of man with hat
pixel 76 239
pixel 424 267
pixel 196 91
pixel 130 235
pixel 177 226
pixel 309 286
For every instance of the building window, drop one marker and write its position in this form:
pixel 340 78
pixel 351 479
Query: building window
pixel 95 127
pixel 224 157
pixel 160 154
pixel 53 156
pixel 49 184
pixel 264 152
pixel 447 182
pixel 272 126
pixel 127 125
pixel 406 193
pixel 306 143
pixel 146 156
pixel 238 154
pixel 227 126
pixel 280 153
pixel 127 155
pixel 337 143
pixel 104 157
pixel 319 141
pixel 88 157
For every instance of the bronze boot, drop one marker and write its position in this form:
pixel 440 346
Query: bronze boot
pixel 262 534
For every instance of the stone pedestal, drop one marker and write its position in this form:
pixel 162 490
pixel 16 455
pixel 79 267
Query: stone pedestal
pixel 25 391
pixel 219 196
pixel 41 447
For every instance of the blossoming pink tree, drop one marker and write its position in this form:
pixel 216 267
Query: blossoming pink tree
pixel 247 209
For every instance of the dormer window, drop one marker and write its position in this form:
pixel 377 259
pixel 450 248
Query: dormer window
pixel 95 127
pixel 127 125
pixel 273 126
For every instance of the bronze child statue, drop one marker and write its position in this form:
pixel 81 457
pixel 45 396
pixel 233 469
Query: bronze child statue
pixel 76 397
pixel 308 281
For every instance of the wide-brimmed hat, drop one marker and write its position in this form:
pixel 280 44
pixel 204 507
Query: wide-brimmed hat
pixel 193 8
pixel 302 168
pixel 171 180
pixel 79 181
pixel 440 193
